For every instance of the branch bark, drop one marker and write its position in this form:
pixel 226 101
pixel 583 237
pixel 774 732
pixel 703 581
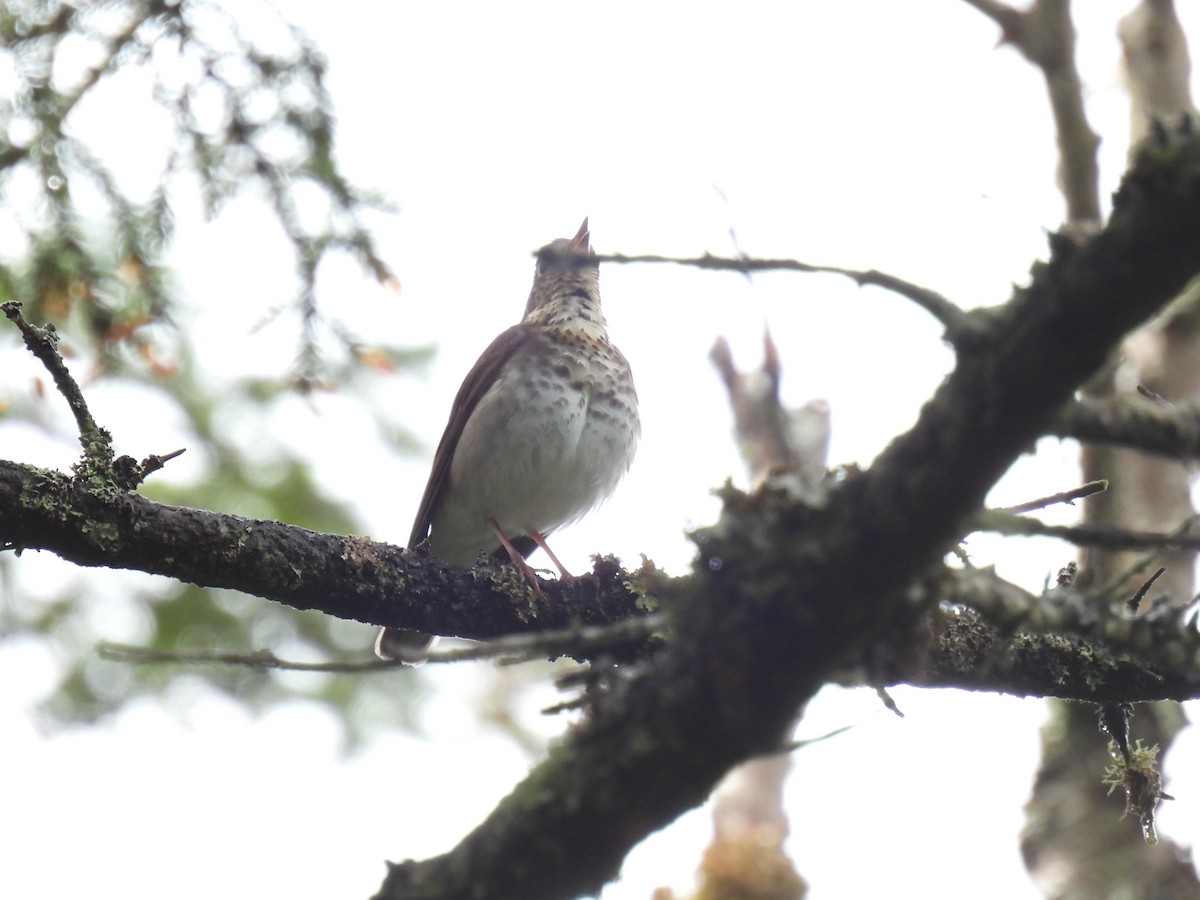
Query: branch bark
pixel 782 593
pixel 1134 422
pixel 343 575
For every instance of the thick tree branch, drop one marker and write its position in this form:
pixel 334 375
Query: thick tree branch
pixel 343 575
pixel 1162 429
pixel 783 593
pixel 1158 66
pixel 988 629
pixel 1101 534
pixel 973 655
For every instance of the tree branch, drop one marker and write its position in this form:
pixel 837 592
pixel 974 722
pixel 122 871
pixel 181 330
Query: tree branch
pixel 1157 65
pixel 957 321
pixel 1112 537
pixel 1045 36
pixel 1162 429
pixel 43 344
pixel 971 654
pixel 342 575
pixel 1069 497
pixel 619 639
pixel 783 593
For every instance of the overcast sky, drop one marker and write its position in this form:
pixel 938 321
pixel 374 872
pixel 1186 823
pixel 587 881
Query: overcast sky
pixel 868 134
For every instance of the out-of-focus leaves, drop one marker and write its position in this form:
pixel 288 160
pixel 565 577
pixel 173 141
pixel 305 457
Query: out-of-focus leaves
pixel 245 112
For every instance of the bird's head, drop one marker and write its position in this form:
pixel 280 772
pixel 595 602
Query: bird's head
pixel 566 284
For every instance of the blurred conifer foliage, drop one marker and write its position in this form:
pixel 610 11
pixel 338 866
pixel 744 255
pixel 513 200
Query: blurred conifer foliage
pixel 232 102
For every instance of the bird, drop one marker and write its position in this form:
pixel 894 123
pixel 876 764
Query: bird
pixel 541 431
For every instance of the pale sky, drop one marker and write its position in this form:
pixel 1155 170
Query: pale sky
pixel 869 134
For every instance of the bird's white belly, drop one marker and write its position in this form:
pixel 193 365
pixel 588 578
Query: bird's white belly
pixel 533 466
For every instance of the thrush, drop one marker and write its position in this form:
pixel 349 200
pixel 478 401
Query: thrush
pixel 541 431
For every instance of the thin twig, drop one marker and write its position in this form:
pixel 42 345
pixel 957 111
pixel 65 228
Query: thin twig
pixel 589 639
pixel 1004 522
pixel 792 746
pixel 260 659
pixel 955 319
pixel 888 700
pixel 508 649
pixel 1068 497
pixel 1007 17
pixel 1143 563
pixel 155 461
pixel 1136 600
pixel 43 343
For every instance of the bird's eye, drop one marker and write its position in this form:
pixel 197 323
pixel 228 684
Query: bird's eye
pixel 549 256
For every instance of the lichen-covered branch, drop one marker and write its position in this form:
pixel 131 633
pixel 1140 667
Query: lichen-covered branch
pixel 988 634
pixel 783 593
pixel 351 577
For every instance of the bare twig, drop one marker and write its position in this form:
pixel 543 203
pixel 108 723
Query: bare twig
pixel 888 700
pixel 154 461
pixel 1136 600
pixel 1068 497
pixel 1107 536
pixel 99 459
pixel 259 659
pixel 43 343
pixel 1142 563
pixel 511 648
pixel 955 319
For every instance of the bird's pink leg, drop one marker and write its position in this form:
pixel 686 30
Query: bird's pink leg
pixel 516 556
pixel 541 542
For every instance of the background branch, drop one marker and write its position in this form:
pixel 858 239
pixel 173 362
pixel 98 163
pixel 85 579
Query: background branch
pixel 957 321
pixel 1045 36
pixel 781 593
pixel 1146 494
pixel 1112 537
pixel 1131 421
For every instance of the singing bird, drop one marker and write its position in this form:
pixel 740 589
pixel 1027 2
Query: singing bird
pixel 543 428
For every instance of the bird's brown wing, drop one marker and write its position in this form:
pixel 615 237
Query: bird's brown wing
pixel 481 377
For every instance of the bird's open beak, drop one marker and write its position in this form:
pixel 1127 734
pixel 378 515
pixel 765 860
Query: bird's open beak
pixel 579 243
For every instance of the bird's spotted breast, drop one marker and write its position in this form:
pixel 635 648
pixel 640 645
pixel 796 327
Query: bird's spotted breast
pixel 550 439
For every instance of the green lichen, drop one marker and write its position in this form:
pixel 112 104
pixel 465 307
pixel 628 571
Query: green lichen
pixel 1141 780
pixel 647 584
